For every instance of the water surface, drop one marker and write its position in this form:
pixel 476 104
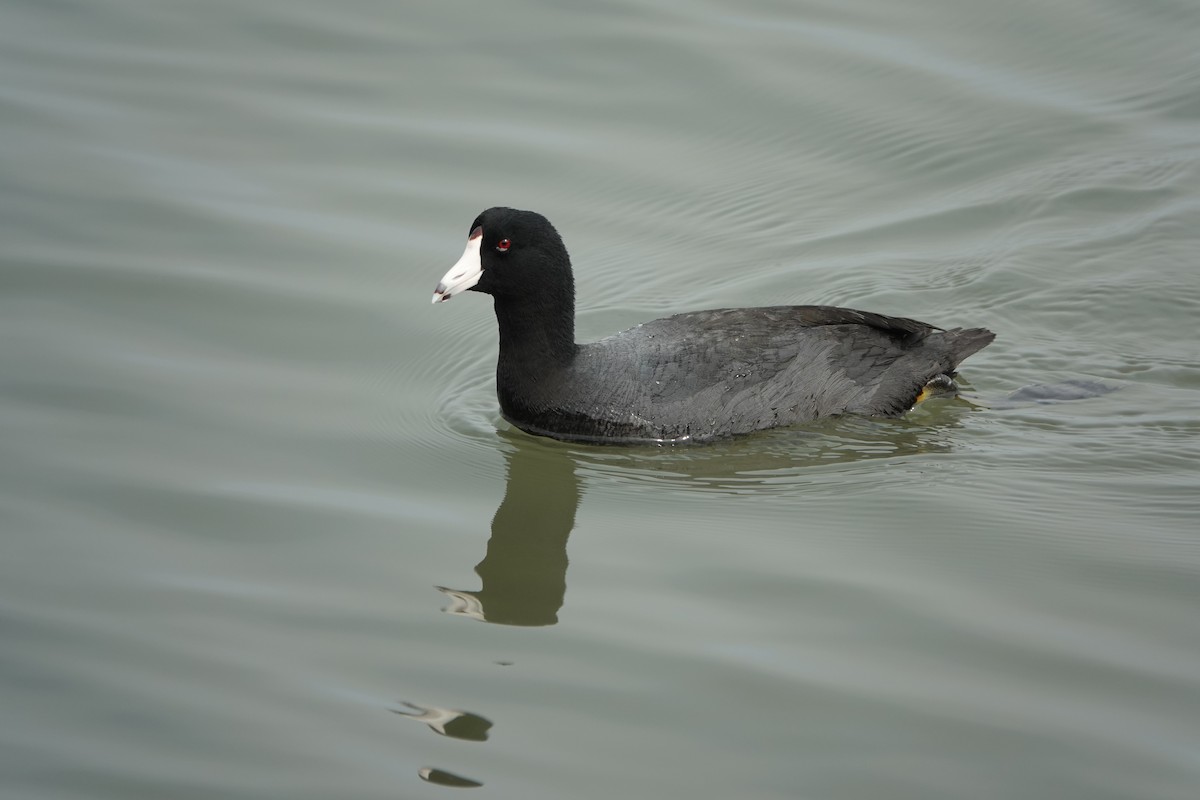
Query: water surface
pixel 265 534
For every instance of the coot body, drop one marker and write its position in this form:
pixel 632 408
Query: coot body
pixel 691 377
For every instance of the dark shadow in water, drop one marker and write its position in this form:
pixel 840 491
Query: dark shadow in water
pixel 462 725
pixel 444 778
pixel 524 573
pixel 449 722
pixel 788 460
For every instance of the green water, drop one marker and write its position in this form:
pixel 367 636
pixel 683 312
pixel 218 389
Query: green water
pixel 264 534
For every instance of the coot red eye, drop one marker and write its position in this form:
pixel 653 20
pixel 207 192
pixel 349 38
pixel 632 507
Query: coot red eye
pixel 503 245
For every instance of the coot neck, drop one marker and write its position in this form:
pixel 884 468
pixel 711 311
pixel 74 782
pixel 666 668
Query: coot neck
pixel 536 332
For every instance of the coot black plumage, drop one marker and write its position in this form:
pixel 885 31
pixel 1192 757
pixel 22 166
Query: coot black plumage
pixel 690 377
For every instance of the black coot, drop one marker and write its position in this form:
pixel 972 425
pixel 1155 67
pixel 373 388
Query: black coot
pixel 691 377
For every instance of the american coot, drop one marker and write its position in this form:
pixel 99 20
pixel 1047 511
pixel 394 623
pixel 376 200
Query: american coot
pixel 691 377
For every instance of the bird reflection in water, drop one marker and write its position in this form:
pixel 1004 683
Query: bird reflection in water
pixel 524 572
pixel 448 721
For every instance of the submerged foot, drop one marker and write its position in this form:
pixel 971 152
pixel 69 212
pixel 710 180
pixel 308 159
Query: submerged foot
pixel 939 386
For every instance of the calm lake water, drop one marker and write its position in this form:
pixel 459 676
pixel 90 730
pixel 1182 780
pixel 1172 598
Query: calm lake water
pixel 265 534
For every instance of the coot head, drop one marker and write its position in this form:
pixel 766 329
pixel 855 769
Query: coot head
pixel 511 255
